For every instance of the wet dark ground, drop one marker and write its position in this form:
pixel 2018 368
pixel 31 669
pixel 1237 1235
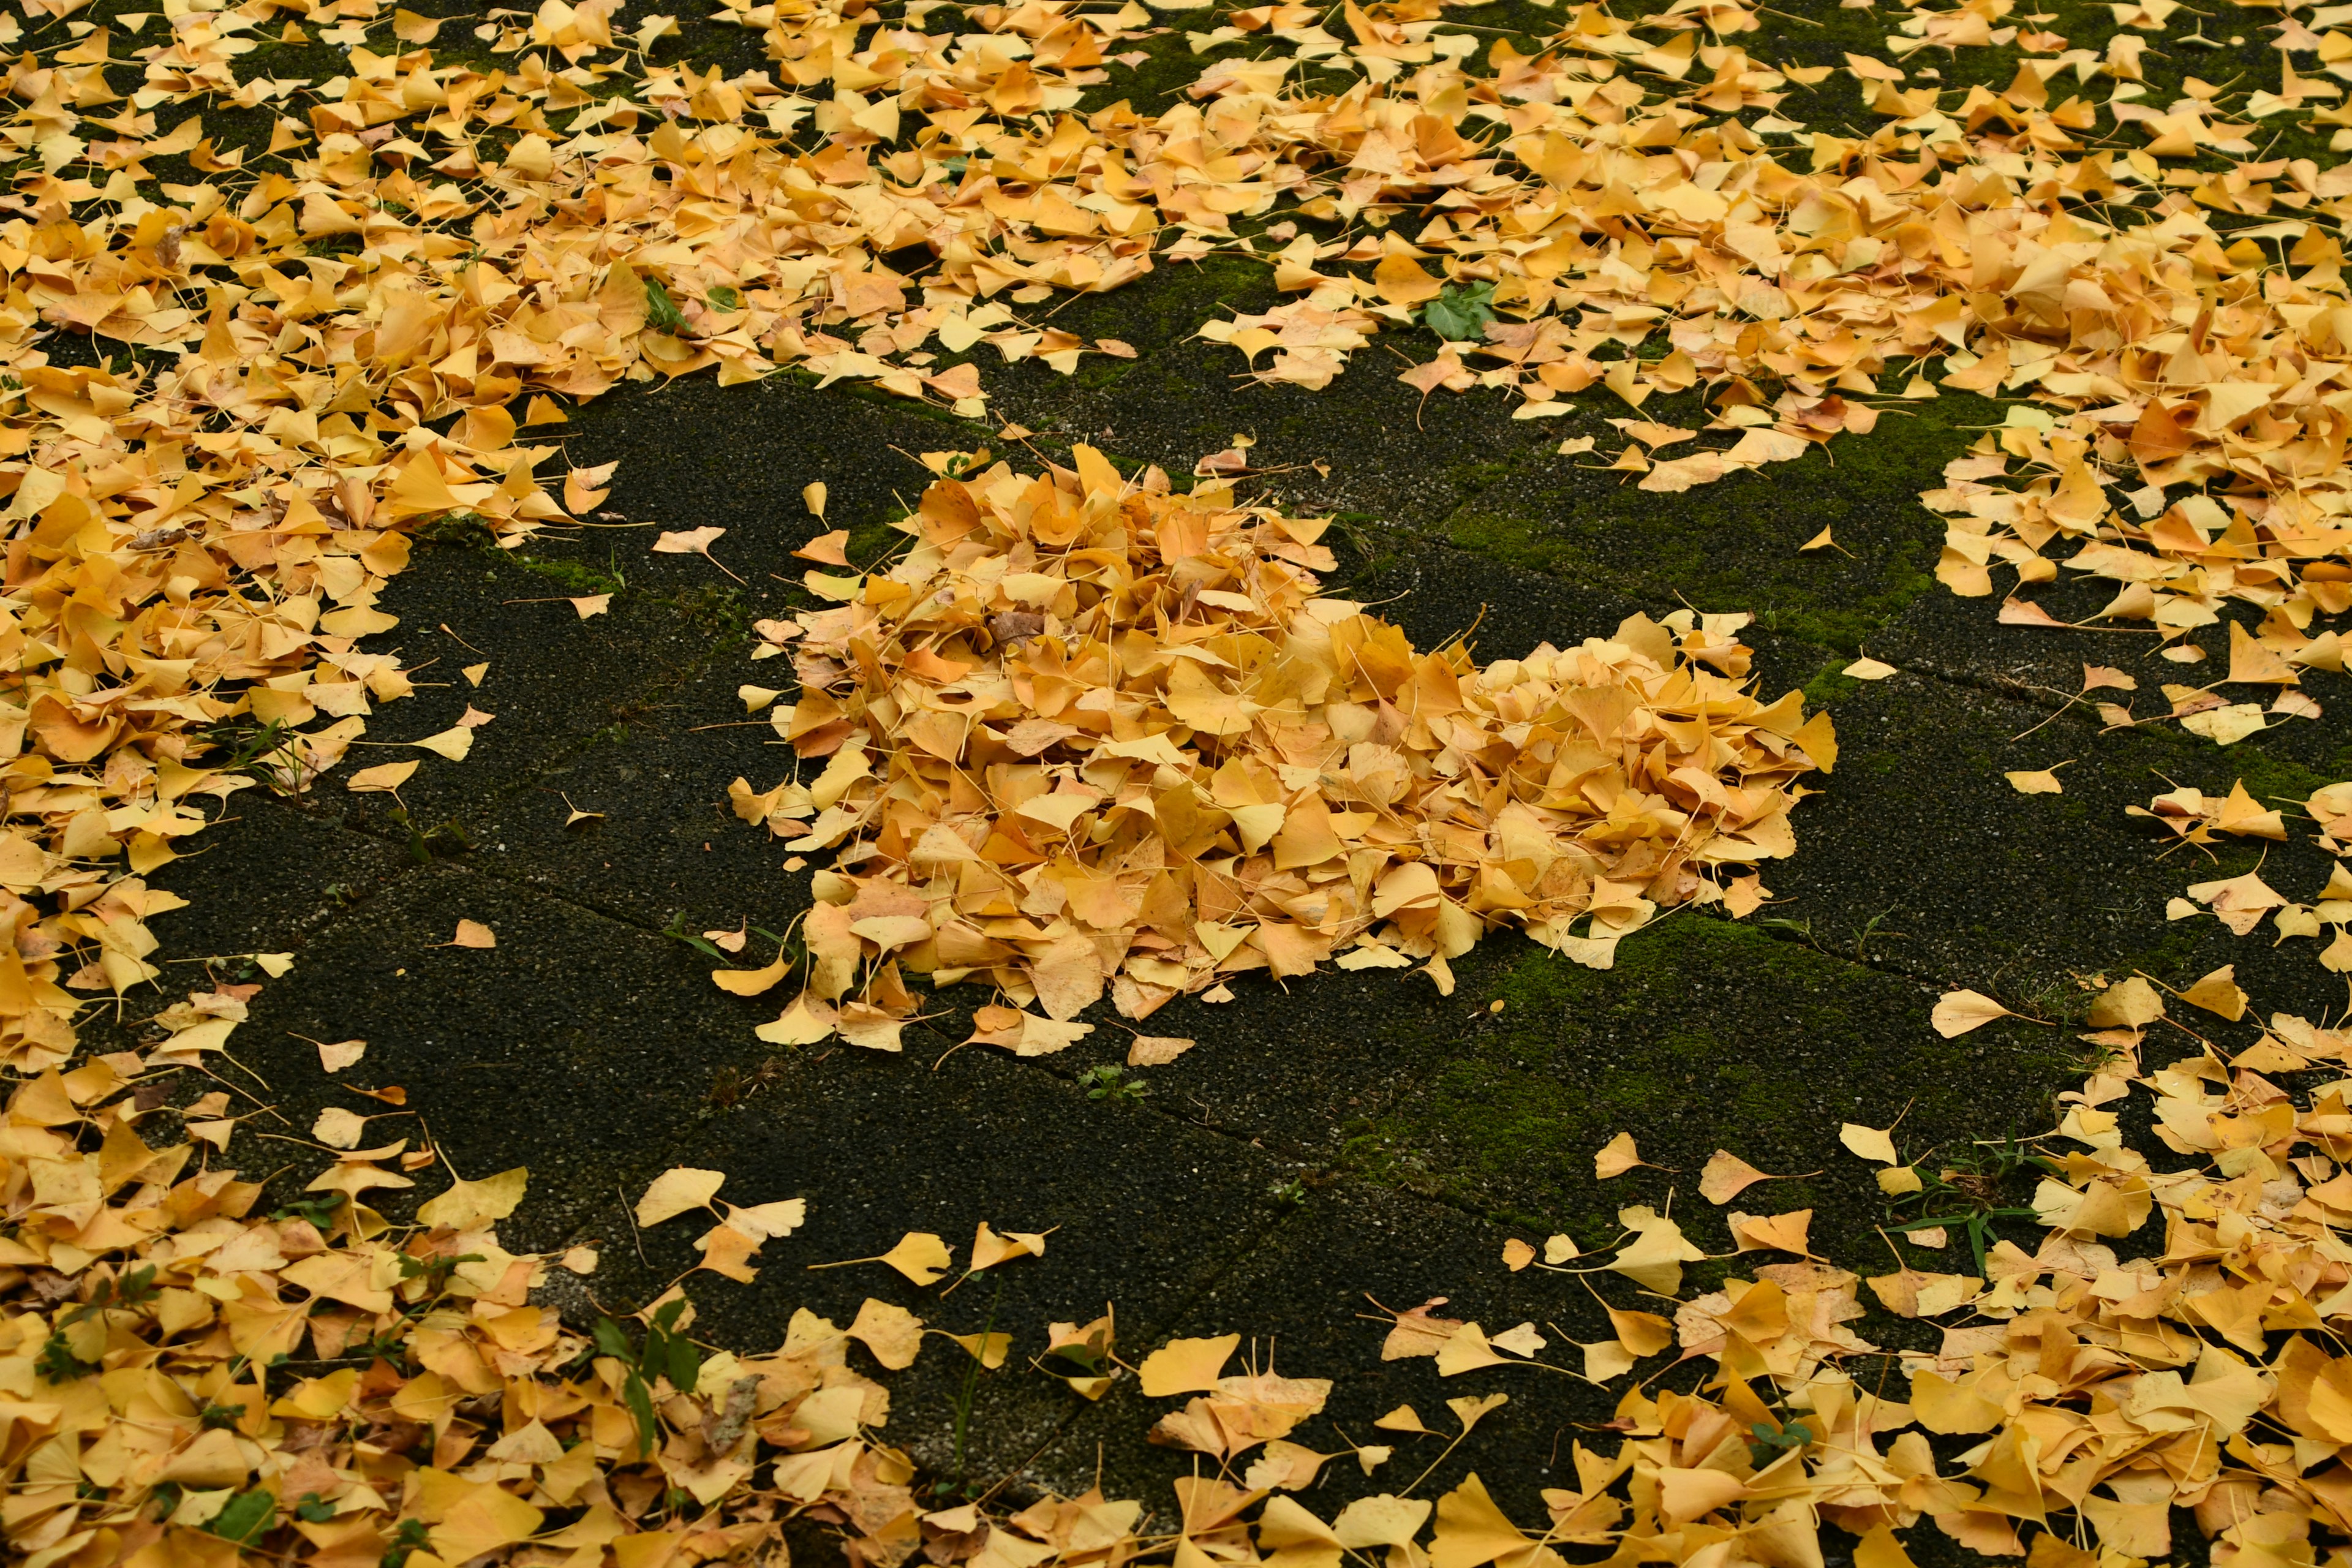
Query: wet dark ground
pixel 1350 1139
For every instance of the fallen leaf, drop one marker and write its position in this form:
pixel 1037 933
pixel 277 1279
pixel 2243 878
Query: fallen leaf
pixel 1869 1142
pixel 1616 1157
pixel 1725 1175
pixel 989 1249
pixel 454 744
pixel 338 1128
pixel 675 1191
pixel 688 542
pixel 1156 1050
pixel 340 1055
pixel 469 1205
pixel 920 1255
pixel 381 779
pixel 1186 1366
pixel 1955 1013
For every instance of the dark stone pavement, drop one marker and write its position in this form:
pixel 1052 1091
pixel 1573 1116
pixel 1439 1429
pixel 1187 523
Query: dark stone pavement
pixel 1346 1138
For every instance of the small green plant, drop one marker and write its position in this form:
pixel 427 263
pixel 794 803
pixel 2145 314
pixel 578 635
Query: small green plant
pixel 408 1539
pixel 675 930
pixel 445 838
pixel 318 1213
pixel 1112 1085
pixel 220 1417
pixel 661 312
pixel 245 1518
pixel 460 528
pixel 730 1086
pixel 435 1271
pixel 1290 1193
pixel 665 1353
pixel 1765 1445
pixel 1461 314
pixel 264 752
pixel 961 1486
pixel 1973 1189
pixel 58 1362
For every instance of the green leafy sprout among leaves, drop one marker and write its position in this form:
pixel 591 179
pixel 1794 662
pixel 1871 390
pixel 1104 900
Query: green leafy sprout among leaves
pixel 666 1352
pixel 1112 1085
pixel 1460 313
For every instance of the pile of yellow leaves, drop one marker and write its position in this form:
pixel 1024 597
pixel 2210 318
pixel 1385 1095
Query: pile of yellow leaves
pixel 2204 1372
pixel 144 1420
pixel 1088 732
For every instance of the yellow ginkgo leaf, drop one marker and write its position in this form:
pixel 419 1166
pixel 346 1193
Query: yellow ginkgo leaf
pixel 453 743
pixel 467 1206
pixel 675 1191
pixel 1186 1366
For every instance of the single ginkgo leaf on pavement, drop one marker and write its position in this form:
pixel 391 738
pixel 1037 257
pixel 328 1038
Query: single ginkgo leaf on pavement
pixel 920 1255
pixel 769 1221
pixel 1869 1142
pixel 990 1248
pixel 338 1128
pixel 454 742
pixel 989 1350
pixel 383 778
pixel 1471 1408
pixel 474 933
pixel 829 548
pixel 1616 1157
pixel 1725 1175
pixel 676 1190
pixel 750 981
pixel 337 1054
pixel 694 541
pixel 1958 1012
pixel 1156 1050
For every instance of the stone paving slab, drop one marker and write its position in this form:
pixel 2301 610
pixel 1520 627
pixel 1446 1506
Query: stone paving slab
pixel 1975 884
pixel 1308 1304
pixel 554 680
pixel 1143 1209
